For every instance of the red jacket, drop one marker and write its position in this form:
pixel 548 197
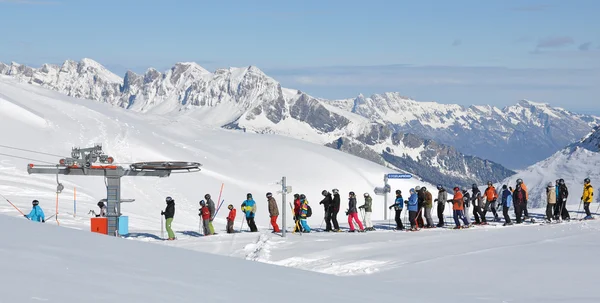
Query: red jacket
pixel 297 208
pixel 231 216
pixel 205 213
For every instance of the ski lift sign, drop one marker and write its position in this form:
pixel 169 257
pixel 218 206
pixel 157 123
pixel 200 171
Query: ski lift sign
pixel 399 176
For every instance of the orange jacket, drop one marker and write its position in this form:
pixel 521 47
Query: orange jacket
pixel 490 193
pixel 526 191
pixel 457 202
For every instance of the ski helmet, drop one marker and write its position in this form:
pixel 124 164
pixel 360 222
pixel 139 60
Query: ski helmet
pixel 519 181
pixel 202 202
pixel 335 191
pixel 561 181
pixel 398 192
pixel 366 194
pixel 474 186
pixel 424 189
pixel 269 195
pixel 207 196
pixel 230 206
pixel 417 188
pixel 351 194
pixel 35 202
pixel 296 196
pixel 169 199
pixel 456 188
pixel 586 181
pixel 324 192
pixel 490 183
pixel 504 186
pixel 302 197
pixel 100 204
pixel 550 184
pixel 248 196
pixel 439 186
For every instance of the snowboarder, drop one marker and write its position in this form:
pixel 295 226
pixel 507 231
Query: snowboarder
pixel 563 195
pixel 327 203
pixel 458 208
pixel 413 208
pixel 273 212
pixel 466 207
pixel 477 201
pixel 421 201
pixel 491 198
pixel 519 199
pixel 398 205
pixel 211 207
pixel 587 198
pixel 551 201
pixel 249 208
pixel 230 219
pixel 368 208
pixel 353 213
pixel 304 213
pixel 169 213
pixel 441 204
pixel 297 210
pixel 507 202
pixel 205 215
pixel 524 188
pixel 335 209
pixel 36 213
pixel 428 204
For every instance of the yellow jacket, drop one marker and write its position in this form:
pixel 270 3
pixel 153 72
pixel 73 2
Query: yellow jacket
pixel 588 193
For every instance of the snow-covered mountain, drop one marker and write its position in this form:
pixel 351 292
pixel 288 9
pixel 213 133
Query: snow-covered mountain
pixel 573 163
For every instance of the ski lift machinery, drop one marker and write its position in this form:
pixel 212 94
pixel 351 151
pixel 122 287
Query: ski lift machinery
pixel 93 162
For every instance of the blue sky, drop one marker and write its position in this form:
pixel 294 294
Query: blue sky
pixel 461 51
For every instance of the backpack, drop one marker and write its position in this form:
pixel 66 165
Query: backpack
pixel 308 211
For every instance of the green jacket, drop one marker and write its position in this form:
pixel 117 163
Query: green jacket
pixel 368 205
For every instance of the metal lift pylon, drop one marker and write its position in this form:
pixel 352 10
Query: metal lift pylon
pixel 84 162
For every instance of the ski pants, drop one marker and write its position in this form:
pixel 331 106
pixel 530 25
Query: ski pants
pixel 230 227
pixel 586 207
pixel 354 216
pixel 206 227
pixel 549 209
pixel 412 217
pixel 305 225
pixel 169 229
pixel 560 210
pixel 519 212
pixel 428 216
pixel 398 219
pixel 420 216
pixel 328 217
pixel 477 213
pixel 460 214
pixel 274 224
pixel 490 205
pixel 466 215
pixel 440 213
pixel 505 213
pixel 525 211
pixel 368 223
pixel 251 224
pixel 334 220
pixel 210 227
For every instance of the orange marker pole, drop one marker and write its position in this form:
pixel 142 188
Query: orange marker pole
pixel 74 202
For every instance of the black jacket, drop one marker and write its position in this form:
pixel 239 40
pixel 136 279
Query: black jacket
pixel 519 197
pixel 327 202
pixel 336 203
pixel 421 198
pixel 467 199
pixel 563 192
pixel 352 206
pixel 170 210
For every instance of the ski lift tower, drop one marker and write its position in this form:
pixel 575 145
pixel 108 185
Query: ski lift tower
pixel 93 162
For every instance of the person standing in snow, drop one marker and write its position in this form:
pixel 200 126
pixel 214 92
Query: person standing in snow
pixel 353 213
pixel 563 195
pixel 335 209
pixel 441 204
pixel 273 212
pixel 169 213
pixel 304 213
pixel 477 201
pixel 551 201
pixel 36 213
pixel 398 205
pixel 249 208
pixel 428 205
pixel 507 202
pixel 205 215
pixel 368 208
pixel 458 208
pixel 491 198
pixel 230 219
pixel 519 199
pixel 297 210
pixel 413 209
pixel 327 203
pixel 421 202
pixel 587 198
pixel 524 188
pixel 211 207
pixel 102 207
pixel 466 205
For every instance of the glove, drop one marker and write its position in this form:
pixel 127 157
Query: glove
pixel 200 215
pixel 391 207
pixel 43 221
pixel 25 216
pixel 162 212
pixel 435 200
pixel 564 199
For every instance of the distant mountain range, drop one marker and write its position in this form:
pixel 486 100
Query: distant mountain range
pixel 431 140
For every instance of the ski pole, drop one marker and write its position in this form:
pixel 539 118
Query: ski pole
pixel 242 226
pixel 598 208
pixel 578 209
pixel 12 205
pixel 162 232
pixel 49 217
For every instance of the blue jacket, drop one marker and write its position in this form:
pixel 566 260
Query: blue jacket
pixel 507 198
pixel 398 204
pixel 36 214
pixel 413 201
pixel 249 208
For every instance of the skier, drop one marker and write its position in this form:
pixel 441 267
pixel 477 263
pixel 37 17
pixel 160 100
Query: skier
pixel 398 205
pixel 327 203
pixel 335 208
pixel 230 219
pixel 304 213
pixel 353 213
pixel 297 208
pixel 102 210
pixel 368 208
pixel 551 200
pixel 587 198
pixel 491 197
pixel 519 199
pixel 466 206
pixel 205 215
pixel 249 208
pixel 211 207
pixel 273 212
pixel 413 208
pixel 441 204
pixel 458 208
pixel 428 204
pixel 421 201
pixel 524 188
pixel 506 204
pixel 169 213
pixel 563 195
pixel 476 200
pixel 36 213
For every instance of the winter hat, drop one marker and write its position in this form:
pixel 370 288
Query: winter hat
pixel 335 191
pixel 504 186
pixel 207 196
pixel 324 192
pixel 398 192
pixel 100 204
pixel 269 195
pixel 248 196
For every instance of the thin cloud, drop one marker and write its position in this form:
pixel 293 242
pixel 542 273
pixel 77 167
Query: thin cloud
pixel 555 42
pixel 456 42
pixel 32 2
pixel 585 46
pixel 523 39
pixel 531 8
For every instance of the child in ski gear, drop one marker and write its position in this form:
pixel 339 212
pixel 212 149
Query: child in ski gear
pixel 297 209
pixel 466 205
pixel 353 212
pixel 368 211
pixel 428 205
pixel 249 208
pixel 551 201
pixel 421 202
pixel 169 213
pixel 398 205
pixel 506 204
pixel 491 197
pixel 205 214
pixel 477 201
pixel 230 219
pixel 36 213
pixel 563 195
pixel 304 213
pixel 587 197
pixel 327 203
pixel 519 201
pixel 458 208
pixel 335 209
pixel 211 207
pixel 441 204
pixel 413 208
pixel 273 212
